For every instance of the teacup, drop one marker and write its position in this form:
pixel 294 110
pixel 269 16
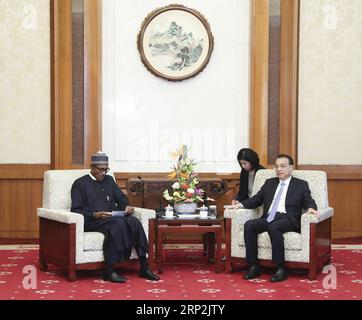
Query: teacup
pixel 203 213
pixel 169 213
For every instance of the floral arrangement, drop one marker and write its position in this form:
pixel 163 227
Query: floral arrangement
pixel 185 188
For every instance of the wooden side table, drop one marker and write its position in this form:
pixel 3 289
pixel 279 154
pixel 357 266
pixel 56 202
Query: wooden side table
pixel 159 228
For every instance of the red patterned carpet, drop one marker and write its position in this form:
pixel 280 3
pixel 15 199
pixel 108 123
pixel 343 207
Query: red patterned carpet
pixel 189 277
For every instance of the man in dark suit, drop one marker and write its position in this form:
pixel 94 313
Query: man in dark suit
pixel 283 198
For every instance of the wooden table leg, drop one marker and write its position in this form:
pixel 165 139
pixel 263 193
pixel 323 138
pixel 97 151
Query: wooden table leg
pixel 205 242
pixel 151 242
pixel 218 250
pixel 159 249
pixel 211 246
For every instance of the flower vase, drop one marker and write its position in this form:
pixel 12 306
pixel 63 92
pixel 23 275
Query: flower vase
pixel 185 207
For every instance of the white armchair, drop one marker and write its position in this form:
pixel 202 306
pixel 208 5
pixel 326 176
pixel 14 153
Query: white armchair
pixel 62 240
pixel 310 249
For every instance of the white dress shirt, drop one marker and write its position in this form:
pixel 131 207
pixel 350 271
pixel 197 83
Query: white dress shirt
pixel 281 206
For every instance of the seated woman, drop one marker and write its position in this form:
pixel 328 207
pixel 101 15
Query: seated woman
pixel 249 162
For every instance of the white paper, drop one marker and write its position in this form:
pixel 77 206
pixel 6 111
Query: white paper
pixel 118 213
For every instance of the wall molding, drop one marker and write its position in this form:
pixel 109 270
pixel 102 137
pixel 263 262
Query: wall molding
pixel 23 171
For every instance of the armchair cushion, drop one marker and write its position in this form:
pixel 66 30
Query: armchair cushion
pixel 93 241
pixel 292 241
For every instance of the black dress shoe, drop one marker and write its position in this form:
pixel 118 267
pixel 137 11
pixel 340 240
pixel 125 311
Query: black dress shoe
pixel 113 277
pixel 253 272
pixel 148 274
pixel 280 275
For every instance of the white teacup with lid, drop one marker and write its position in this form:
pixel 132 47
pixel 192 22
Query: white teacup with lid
pixel 203 212
pixel 169 212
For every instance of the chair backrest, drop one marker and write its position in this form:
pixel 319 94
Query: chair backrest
pixel 57 187
pixel 317 181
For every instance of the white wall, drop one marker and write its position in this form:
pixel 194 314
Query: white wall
pixel 330 82
pixel 145 117
pixel 24 81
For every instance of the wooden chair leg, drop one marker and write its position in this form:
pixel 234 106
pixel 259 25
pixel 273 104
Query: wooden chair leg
pixel 228 264
pixel 72 274
pixel 43 265
pixel 211 246
pixel 228 267
pixel 312 274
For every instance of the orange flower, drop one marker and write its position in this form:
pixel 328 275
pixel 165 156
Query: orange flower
pixel 184 175
pixel 172 175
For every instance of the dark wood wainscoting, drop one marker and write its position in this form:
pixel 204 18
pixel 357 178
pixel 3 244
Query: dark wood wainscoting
pixel 21 192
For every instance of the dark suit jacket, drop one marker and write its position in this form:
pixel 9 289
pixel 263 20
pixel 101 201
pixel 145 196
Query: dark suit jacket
pixel 298 197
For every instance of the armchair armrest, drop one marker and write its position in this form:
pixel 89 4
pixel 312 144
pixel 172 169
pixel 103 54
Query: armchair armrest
pixel 242 215
pixel 144 214
pixel 61 215
pixel 66 217
pixel 324 213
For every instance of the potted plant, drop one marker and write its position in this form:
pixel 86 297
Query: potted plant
pixel 185 193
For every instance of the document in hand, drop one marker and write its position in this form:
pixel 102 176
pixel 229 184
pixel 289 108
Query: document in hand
pixel 118 213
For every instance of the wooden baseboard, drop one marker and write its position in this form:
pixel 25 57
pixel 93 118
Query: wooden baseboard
pixel 20 235
pixel 338 234
pixel 19 241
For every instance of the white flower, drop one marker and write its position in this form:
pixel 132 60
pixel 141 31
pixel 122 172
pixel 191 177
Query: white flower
pixel 176 186
pixel 167 196
pixel 190 190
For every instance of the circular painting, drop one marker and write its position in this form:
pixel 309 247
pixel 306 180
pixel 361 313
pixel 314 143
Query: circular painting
pixel 175 42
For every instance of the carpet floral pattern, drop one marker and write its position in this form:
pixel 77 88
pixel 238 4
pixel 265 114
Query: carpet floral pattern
pixel 187 276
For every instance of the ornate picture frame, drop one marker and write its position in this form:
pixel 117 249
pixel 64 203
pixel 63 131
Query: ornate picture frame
pixel 175 42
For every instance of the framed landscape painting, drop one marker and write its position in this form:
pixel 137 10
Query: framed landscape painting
pixel 175 42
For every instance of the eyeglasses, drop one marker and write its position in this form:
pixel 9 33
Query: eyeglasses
pixel 105 170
